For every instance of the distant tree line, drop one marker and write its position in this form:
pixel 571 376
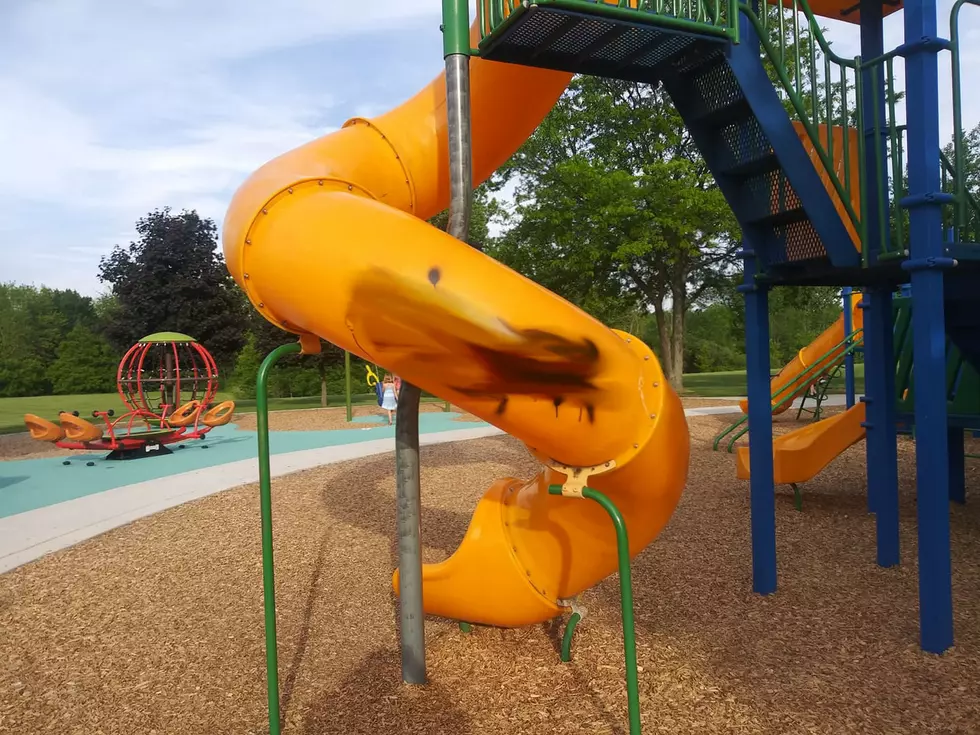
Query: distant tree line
pixel 173 278
pixel 614 210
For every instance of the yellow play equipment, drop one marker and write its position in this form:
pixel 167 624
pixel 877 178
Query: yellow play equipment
pixel 331 239
pixel 799 455
pixel 825 350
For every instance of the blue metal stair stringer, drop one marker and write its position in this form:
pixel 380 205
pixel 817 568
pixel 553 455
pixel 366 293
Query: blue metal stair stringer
pixel 748 141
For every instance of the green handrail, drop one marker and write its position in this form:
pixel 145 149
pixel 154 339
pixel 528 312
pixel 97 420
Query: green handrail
pixel 710 17
pixel 958 153
pixel 265 506
pixel 810 119
pixel 966 204
pixel 850 343
pixel 625 598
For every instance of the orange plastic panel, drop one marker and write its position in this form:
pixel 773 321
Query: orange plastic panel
pixel 78 429
pixel 790 378
pixel 184 415
pixel 330 239
pixel 42 429
pixel 799 455
pixel 219 415
pixel 853 163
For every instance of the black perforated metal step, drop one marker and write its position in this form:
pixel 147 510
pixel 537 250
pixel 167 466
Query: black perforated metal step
pixel 551 37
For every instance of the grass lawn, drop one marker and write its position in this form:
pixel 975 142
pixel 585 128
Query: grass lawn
pixel 717 385
pixel 12 410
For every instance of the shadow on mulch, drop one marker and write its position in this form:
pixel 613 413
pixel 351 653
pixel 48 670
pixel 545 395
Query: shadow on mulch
pixel 837 646
pixel 372 700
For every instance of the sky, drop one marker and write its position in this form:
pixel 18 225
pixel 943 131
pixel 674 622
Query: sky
pixel 113 108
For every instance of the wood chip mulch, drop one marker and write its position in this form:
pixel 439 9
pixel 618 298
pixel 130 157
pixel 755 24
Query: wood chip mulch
pixel 156 627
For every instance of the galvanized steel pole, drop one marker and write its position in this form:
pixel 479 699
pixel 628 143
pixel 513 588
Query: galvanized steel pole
pixel 456 53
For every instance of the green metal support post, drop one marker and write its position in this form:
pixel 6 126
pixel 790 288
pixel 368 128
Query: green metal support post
pixel 350 411
pixel 626 600
pixel 265 504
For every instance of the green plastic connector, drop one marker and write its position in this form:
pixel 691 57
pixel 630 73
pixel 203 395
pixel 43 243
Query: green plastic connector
pixel 455 27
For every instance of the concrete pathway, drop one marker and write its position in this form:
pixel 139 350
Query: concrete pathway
pixel 31 534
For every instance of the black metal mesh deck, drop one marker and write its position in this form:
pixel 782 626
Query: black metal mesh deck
pixel 555 38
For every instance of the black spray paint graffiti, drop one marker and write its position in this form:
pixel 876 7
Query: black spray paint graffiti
pixel 471 352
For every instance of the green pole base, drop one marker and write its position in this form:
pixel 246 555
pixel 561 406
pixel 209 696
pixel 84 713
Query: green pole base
pixel 465 627
pixel 797 496
pixel 626 600
pixel 265 507
pixel 566 640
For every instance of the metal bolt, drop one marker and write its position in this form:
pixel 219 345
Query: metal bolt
pixel 653 415
pixel 265 211
pixel 261 305
pixel 290 190
pixel 646 357
pixel 607 464
pixel 320 182
pixel 246 276
pixel 628 340
pixel 636 446
pixel 350 187
pixel 248 241
pixel 656 384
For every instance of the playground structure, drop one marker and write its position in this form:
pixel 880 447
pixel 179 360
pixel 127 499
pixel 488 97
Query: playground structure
pixel 804 163
pixel 168 382
pixel 800 454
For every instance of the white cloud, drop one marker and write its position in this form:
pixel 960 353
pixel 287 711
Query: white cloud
pixel 846 42
pixel 113 108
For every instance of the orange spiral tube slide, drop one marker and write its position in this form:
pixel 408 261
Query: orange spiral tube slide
pixel 330 239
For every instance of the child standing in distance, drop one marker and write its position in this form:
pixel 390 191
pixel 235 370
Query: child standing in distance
pixel 389 398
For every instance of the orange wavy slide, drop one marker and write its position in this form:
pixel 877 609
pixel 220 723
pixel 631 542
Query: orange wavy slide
pixel 821 350
pixel 330 239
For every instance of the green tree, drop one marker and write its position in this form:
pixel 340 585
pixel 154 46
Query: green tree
pixel 33 324
pixel 485 210
pixel 615 203
pixel 21 367
pixel 173 279
pixel 969 173
pixel 86 363
pixel 797 315
pixel 246 368
pixel 712 343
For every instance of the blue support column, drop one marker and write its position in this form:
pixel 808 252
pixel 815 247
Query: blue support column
pixel 957 465
pixel 849 357
pixel 926 264
pixel 761 484
pixel 875 130
pixel 881 443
